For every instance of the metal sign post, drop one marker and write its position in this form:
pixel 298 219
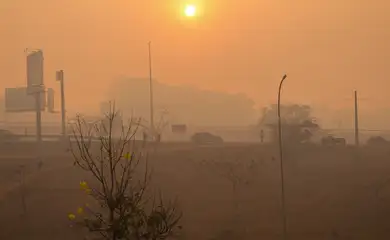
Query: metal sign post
pixel 38 115
pixel 35 84
pixel 60 78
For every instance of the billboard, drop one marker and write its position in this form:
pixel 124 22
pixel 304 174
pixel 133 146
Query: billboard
pixel 50 100
pixel 18 100
pixel 179 128
pixel 34 70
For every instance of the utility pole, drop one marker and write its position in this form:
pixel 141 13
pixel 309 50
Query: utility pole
pixel 38 113
pixel 60 78
pixel 356 121
pixel 282 187
pixel 151 93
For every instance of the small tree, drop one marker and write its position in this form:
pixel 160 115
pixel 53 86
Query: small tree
pixel 239 173
pixel 124 210
pixel 297 123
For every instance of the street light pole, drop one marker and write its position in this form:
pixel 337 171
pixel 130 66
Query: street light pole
pixel 356 120
pixel 281 162
pixel 60 78
pixel 151 93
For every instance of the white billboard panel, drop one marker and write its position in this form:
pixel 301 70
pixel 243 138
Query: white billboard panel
pixel 34 70
pixel 18 100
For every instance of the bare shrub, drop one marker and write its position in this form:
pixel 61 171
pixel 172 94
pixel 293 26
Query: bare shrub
pixel 240 174
pixel 125 208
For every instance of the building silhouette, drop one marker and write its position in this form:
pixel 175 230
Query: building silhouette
pixel 182 104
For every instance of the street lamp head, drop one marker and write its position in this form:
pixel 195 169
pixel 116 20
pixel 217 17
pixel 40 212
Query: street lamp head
pixel 284 77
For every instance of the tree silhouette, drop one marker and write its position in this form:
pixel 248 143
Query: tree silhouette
pixel 297 123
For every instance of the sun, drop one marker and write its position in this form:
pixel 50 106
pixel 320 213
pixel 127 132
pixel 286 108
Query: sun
pixel 190 10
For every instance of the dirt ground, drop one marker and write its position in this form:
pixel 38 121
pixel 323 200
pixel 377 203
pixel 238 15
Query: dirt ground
pixel 331 193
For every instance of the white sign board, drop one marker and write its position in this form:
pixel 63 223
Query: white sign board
pixel 18 100
pixel 34 70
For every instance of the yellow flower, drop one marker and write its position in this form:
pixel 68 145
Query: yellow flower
pixel 71 216
pixel 127 156
pixel 80 210
pixel 84 185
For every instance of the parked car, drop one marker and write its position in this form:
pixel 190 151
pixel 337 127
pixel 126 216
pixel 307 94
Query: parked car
pixel 206 138
pixel 333 141
pixel 377 141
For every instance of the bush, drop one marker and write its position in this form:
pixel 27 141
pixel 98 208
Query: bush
pixel 124 208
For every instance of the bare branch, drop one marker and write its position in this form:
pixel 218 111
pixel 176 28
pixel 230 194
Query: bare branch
pixel 124 209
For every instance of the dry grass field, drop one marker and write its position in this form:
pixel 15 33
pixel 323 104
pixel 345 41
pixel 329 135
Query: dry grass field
pixel 331 193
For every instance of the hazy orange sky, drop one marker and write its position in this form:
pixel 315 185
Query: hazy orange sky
pixel 327 48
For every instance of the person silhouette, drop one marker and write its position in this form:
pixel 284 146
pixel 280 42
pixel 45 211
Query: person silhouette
pixel 261 135
pixel 145 136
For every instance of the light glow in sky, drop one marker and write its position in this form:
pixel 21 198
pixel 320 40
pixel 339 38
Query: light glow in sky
pixel 190 10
